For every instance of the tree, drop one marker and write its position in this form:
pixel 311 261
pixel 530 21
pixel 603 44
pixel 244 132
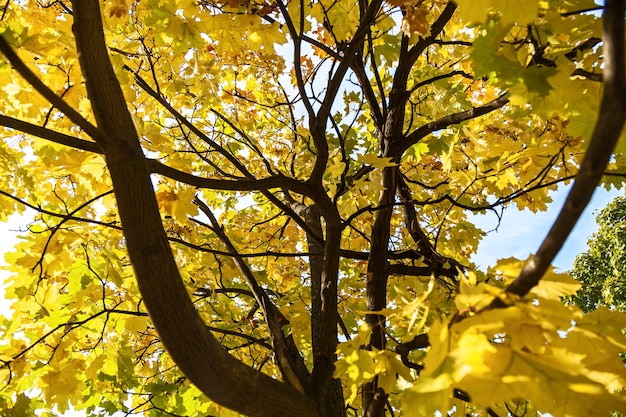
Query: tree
pixel 263 207
pixel 601 267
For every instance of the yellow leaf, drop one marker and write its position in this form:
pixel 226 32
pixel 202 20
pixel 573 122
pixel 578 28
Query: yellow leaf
pixel 178 203
pixel 473 10
pixel 377 161
pixel 388 367
pixel 414 20
pixel 507 269
pixel 426 404
pixel 472 349
pixel 506 178
pixel 553 286
pixel 266 38
pixel 343 16
pixel 519 12
pixel 136 324
pixel 63 383
pixel 94 165
pixel 439 347
pixel 94 367
pixel 475 297
pixel 511 11
pixel 607 324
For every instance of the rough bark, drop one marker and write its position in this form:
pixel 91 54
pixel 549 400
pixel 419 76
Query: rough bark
pixel 394 141
pixel 327 390
pixel 376 287
pixel 316 263
pixel 198 354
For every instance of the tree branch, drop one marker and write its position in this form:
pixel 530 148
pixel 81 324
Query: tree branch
pixel 46 92
pixel 289 361
pixel 224 379
pixel 50 135
pixel 397 148
pixel 157 167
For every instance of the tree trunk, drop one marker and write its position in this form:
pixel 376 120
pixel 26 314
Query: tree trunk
pixel 376 288
pixel 327 390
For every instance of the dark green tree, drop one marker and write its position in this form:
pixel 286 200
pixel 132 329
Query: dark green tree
pixel 602 268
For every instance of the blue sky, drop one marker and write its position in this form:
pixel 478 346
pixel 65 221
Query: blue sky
pixel 521 232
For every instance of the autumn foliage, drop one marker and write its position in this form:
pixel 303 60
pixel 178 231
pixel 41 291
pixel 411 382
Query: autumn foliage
pixel 265 208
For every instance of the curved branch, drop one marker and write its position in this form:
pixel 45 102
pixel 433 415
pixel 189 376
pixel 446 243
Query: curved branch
pixel 223 378
pixel 65 217
pixel 439 77
pixel 78 323
pixel 187 123
pixel 411 223
pixel 157 167
pixel 243 184
pixel 403 349
pixel 48 134
pixel 318 124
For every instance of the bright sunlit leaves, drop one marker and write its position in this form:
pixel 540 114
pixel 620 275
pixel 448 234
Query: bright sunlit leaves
pixel 523 351
pixel 79 331
pixel 510 11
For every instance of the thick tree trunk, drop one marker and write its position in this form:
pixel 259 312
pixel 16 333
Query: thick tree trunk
pixel 312 218
pixel 221 377
pixel 327 390
pixel 373 398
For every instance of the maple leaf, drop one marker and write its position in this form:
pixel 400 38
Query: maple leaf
pixel 64 383
pixel 117 11
pixel 415 20
pixel 177 203
pixel 511 11
pixel 506 178
pixel 377 161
